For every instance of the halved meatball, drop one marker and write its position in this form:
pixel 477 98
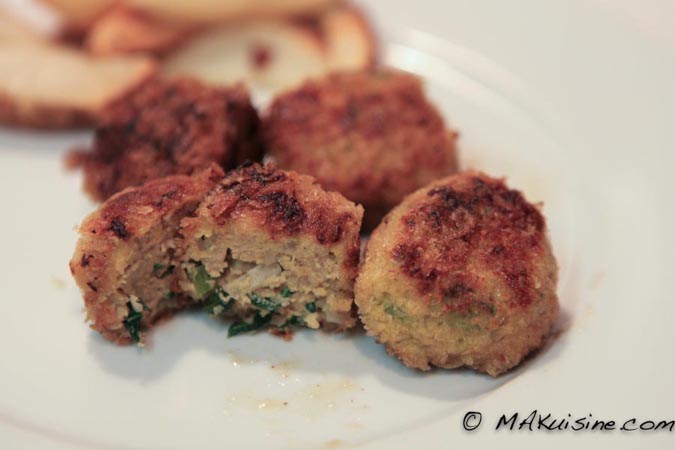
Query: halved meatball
pixel 124 262
pixel 265 247
pixel 460 274
pixel 167 128
pixel 372 136
pixel 272 247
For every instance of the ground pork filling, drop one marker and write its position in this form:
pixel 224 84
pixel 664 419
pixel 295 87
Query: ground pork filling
pixel 280 284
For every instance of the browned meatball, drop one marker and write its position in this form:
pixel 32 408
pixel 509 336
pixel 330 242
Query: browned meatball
pixel 372 136
pixel 167 128
pixel 460 274
pixel 265 247
pixel 285 251
pixel 124 257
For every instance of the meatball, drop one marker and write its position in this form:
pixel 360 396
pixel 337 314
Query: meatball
pixel 372 136
pixel 167 128
pixel 124 260
pixel 461 273
pixel 277 248
pixel 267 248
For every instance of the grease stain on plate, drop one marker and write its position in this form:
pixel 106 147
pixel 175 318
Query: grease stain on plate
pixel 307 401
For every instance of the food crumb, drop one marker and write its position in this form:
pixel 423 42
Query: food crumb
pixel 58 283
pixel 284 368
pixel 334 443
pixel 596 280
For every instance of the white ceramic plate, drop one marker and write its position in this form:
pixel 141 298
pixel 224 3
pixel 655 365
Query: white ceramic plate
pixel 572 101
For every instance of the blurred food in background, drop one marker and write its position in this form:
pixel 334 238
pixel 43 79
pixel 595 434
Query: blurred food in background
pixel 105 49
pixel 48 85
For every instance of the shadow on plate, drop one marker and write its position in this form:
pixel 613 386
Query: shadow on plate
pixel 351 354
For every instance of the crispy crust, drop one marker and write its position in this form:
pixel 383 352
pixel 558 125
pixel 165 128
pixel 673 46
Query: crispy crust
pixel 108 236
pixel 371 136
pixel 286 203
pixel 170 127
pixel 465 218
pixel 461 273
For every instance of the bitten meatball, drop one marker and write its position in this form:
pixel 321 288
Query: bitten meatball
pixel 461 273
pixel 275 248
pixel 372 136
pixel 267 248
pixel 124 262
pixel 168 128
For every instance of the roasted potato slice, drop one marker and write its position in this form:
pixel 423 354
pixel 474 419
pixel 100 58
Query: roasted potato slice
pixel 349 38
pixel 48 86
pixel 272 54
pixel 211 11
pixel 125 30
pixel 266 54
pixel 11 29
pixel 78 15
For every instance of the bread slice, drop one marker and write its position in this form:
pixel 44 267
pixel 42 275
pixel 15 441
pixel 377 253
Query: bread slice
pixel 126 30
pixel 272 54
pixel 44 85
pixel 213 11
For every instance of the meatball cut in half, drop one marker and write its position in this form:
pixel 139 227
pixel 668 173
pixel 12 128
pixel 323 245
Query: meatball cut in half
pixel 262 246
pixel 124 262
pixel 167 128
pixel 269 247
pixel 372 136
pixel 460 274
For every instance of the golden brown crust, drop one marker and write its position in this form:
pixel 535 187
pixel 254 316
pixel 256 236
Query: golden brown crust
pixel 371 136
pixel 170 127
pixel 285 203
pixel 460 273
pixel 463 219
pixel 109 235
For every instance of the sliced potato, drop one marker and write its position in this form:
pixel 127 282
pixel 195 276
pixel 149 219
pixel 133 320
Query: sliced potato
pixel 210 11
pixel 10 29
pixel 267 54
pixel 349 38
pixel 273 54
pixel 46 86
pixel 78 15
pixel 123 30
